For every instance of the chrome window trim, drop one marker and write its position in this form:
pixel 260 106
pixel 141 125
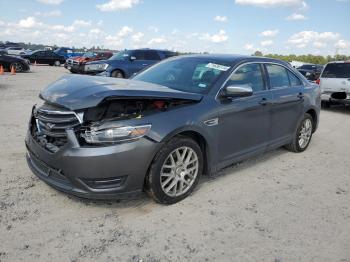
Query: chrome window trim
pixel 257 62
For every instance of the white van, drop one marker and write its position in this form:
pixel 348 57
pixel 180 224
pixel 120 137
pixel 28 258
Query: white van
pixel 335 83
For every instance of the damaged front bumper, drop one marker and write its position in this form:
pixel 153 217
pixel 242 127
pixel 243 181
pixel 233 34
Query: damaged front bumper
pixel 108 172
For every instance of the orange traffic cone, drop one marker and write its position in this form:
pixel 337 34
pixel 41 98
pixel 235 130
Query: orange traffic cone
pixel 13 70
pixel 1 70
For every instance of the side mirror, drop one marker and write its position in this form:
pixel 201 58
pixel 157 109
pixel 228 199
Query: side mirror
pixel 132 58
pixel 237 91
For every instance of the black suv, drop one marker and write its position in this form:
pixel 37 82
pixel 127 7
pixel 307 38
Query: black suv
pixel 126 63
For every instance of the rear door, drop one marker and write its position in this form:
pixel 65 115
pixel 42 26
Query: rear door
pixel 287 99
pixel 336 78
pixel 144 58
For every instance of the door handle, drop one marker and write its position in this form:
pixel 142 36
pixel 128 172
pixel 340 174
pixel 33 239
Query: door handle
pixel 264 102
pixel 300 95
pixel 145 64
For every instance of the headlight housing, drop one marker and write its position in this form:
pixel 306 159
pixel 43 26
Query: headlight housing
pixel 95 67
pixel 115 134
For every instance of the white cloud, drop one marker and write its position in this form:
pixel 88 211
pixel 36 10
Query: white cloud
pixel 342 44
pixel 126 30
pixel 269 33
pixel 304 38
pixel 116 5
pixel 271 3
pixel 95 31
pixel 296 16
pixel 219 18
pixel 51 2
pixel 49 14
pixel 137 37
pixel 81 23
pixel 319 44
pixel 153 29
pixel 28 22
pixel 216 38
pixel 249 47
pixel 159 40
pixel 266 43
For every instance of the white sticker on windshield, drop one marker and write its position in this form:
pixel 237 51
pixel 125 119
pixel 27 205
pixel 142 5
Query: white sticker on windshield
pixel 217 66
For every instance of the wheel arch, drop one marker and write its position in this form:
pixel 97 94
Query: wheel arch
pixel 121 70
pixel 200 139
pixel 312 112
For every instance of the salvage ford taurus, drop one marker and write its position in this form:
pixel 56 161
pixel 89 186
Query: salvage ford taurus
pixel 159 132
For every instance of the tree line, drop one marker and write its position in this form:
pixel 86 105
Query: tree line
pixel 312 59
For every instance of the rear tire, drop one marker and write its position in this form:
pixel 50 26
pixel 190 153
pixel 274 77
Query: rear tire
pixel 18 66
pixel 303 135
pixel 175 171
pixel 117 74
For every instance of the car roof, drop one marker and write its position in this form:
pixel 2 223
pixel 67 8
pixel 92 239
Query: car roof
pixel 235 59
pixel 339 62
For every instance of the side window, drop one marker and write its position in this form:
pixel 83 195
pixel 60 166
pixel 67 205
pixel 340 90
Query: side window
pixel 248 75
pixel 294 81
pixel 40 53
pixel 278 76
pixel 151 55
pixel 140 55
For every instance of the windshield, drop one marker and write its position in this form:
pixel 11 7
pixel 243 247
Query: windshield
pixel 89 54
pixel 120 55
pixel 195 75
pixel 337 70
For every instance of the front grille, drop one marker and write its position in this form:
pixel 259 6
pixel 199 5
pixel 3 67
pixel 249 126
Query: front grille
pixel 51 124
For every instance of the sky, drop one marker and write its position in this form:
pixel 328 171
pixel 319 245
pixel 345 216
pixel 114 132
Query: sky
pixel 319 27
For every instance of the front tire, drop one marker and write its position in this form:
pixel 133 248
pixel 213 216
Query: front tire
pixel 303 135
pixel 117 74
pixel 57 63
pixel 175 171
pixel 18 66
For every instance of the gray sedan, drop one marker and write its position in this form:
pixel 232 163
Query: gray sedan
pixel 162 130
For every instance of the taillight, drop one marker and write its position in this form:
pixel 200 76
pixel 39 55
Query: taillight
pixel 318 81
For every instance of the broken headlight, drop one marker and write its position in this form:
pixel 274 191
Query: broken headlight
pixel 115 134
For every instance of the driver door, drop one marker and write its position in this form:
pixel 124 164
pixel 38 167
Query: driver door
pixel 245 121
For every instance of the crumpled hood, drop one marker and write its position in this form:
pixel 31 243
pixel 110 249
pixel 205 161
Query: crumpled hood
pixel 78 92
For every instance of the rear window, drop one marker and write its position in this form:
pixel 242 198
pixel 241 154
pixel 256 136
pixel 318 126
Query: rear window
pixel 337 70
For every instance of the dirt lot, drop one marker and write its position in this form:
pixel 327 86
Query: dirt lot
pixel 277 207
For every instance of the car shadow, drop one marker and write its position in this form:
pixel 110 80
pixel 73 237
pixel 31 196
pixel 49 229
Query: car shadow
pixel 343 109
pixel 145 204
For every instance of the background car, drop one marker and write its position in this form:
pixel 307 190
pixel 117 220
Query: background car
pixel 7 61
pixel 45 57
pixel 311 71
pixel 16 51
pixel 76 64
pixel 335 83
pixel 126 63
pixel 67 52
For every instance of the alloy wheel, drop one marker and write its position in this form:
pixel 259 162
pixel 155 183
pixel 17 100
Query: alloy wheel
pixel 305 133
pixel 179 171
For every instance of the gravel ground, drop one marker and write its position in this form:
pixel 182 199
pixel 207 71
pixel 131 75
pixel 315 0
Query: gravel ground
pixel 279 206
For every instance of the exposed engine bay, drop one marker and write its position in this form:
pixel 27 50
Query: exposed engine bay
pixel 122 109
pixel 50 123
